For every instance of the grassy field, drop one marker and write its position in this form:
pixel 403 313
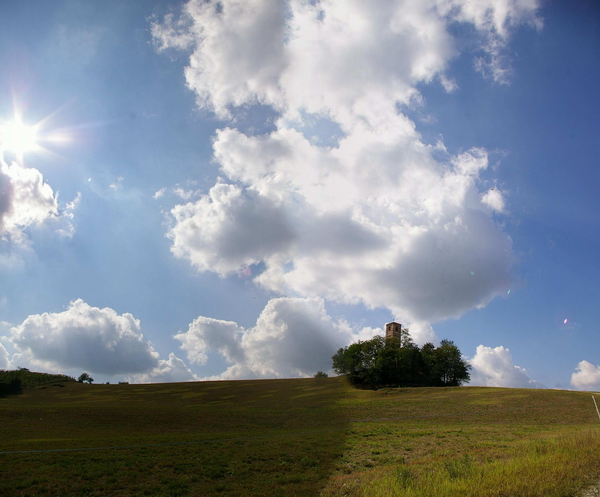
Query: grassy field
pixel 468 441
pixel 296 437
pixel 267 437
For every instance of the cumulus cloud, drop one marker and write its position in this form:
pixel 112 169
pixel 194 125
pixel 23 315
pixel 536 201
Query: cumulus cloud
pixel 229 229
pixel 586 376
pixel 3 357
pixel 171 370
pixel 326 55
pixel 374 215
pixel 494 367
pixel 376 220
pixel 24 199
pixel 227 69
pixel 292 337
pixel 27 201
pixel 85 337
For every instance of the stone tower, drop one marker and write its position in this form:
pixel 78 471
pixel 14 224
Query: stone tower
pixel 393 330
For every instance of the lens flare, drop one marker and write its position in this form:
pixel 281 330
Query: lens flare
pixel 17 137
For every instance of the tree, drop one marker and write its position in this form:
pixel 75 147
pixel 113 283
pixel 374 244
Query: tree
pixel 12 387
pixel 379 363
pixel 320 374
pixel 85 378
pixel 451 368
pixel 431 368
pixel 359 362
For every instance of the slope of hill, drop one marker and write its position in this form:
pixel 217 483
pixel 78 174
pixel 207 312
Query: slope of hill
pixel 296 437
pixel 13 382
pixel 31 378
pixel 263 437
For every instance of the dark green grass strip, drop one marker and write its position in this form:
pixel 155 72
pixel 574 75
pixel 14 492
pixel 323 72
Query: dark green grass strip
pixel 172 444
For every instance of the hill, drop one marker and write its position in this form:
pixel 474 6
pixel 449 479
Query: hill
pixel 295 437
pixel 13 382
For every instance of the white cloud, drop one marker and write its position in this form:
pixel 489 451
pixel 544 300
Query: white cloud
pixel 376 220
pixel 471 162
pixel 493 16
pixel 67 215
pixel 184 194
pixel 3 357
pixel 586 376
pixel 292 337
pixel 90 338
pixel 494 199
pixel 177 191
pixel 493 20
pixel 370 215
pixel 226 69
pixel 495 65
pixel 494 367
pixel 352 58
pixel 24 200
pixel 329 56
pixel 449 84
pixel 118 184
pixel 168 371
pixel 229 229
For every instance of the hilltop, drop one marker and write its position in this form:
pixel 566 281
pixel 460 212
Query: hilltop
pixel 13 381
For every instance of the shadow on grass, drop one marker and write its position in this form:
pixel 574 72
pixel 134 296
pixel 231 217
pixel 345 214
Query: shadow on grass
pixel 12 387
pixel 255 437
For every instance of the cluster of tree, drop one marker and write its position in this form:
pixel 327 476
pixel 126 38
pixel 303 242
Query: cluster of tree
pixel 12 387
pixel 400 362
pixel 32 378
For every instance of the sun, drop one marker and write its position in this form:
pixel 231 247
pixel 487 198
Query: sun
pixel 18 138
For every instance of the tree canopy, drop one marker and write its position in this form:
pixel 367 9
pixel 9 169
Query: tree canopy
pixel 31 378
pixel 85 378
pixel 380 363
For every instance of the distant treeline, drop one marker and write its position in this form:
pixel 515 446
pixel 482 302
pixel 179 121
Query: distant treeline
pixel 12 382
pixel 395 362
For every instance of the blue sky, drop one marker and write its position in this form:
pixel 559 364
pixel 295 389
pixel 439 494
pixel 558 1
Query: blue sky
pixel 236 189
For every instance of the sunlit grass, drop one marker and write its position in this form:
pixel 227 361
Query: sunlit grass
pixel 555 467
pixel 468 442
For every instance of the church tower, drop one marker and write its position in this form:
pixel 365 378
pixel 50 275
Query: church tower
pixel 393 330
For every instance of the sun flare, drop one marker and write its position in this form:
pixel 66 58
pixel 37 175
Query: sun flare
pixel 17 137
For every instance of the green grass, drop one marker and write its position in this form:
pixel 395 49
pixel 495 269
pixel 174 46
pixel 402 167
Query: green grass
pixel 296 437
pixel 545 468
pixel 468 441
pixel 275 437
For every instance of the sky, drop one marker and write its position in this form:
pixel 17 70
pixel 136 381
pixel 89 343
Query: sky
pixel 235 189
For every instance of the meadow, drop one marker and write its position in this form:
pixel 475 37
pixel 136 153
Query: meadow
pixel 296 437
